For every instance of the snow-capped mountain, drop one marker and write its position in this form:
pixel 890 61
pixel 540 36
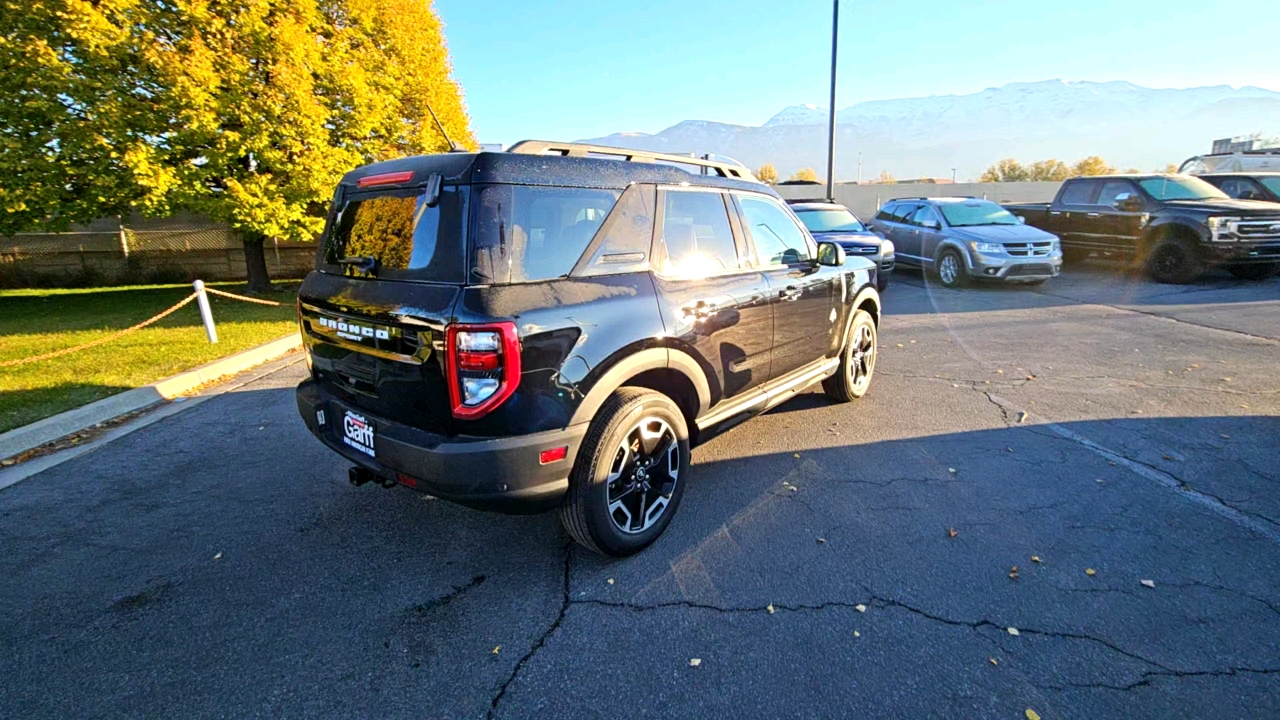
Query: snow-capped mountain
pixel 1128 125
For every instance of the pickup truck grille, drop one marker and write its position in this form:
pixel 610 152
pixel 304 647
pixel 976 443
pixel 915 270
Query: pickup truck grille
pixel 1260 228
pixel 1032 249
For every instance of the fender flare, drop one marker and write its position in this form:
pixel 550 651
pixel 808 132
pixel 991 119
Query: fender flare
pixel 867 293
pixel 634 364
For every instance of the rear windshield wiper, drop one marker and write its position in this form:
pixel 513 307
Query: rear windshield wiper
pixel 363 263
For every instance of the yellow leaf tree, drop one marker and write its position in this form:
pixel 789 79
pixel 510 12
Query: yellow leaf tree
pixel 1092 165
pixel 1007 170
pixel 767 174
pixel 804 175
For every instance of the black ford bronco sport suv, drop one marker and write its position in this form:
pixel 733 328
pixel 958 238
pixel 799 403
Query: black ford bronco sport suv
pixel 556 325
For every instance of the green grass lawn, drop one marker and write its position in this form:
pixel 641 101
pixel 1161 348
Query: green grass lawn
pixel 33 322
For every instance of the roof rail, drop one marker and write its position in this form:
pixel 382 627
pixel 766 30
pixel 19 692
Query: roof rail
pixel 798 201
pixel 545 147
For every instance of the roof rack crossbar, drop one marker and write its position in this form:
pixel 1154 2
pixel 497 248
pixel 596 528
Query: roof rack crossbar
pixel 545 147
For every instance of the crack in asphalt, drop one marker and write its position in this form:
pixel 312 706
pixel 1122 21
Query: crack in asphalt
pixel 542 640
pixel 1158 315
pixel 1260 524
pixel 457 592
pixel 1147 677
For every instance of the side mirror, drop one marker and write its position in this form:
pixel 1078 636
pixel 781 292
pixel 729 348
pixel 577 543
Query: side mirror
pixel 932 225
pixel 830 254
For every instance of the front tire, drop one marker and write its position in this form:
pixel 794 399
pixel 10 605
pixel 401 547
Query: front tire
pixel 951 270
pixel 1257 272
pixel 630 473
pixel 1173 261
pixel 857 361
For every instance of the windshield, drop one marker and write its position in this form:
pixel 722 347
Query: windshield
pixel 1272 183
pixel 1181 188
pixel 976 212
pixel 834 220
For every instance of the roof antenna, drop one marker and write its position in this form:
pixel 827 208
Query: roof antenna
pixel 453 146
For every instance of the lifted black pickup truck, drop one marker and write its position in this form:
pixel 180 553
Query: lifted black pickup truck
pixel 1173 225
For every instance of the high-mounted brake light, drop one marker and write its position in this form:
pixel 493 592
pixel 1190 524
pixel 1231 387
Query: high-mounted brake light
pixel 482 367
pixel 394 178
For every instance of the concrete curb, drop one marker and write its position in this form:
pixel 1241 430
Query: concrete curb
pixel 20 440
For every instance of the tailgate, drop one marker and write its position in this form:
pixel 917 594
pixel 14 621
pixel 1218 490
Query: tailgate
pixel 376 346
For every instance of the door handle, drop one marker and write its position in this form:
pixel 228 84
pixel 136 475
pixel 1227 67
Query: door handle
pixel 700 310
pixel 791 293
pixel 1094 215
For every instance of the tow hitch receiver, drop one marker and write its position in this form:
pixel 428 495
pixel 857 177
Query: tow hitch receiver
pixel 360 475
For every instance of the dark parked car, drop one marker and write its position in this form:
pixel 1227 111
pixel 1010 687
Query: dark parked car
pixel 546 327
pixel 1173 225
pixel 1247 186
pixel 830 222
pixel 965 238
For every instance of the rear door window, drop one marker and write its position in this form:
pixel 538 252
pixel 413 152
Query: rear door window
pixel 696 237
pixel 1078 193
pixel 407 239
pixel 525 233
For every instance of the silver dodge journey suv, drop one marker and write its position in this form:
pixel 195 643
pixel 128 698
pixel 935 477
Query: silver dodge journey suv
pixel 964 238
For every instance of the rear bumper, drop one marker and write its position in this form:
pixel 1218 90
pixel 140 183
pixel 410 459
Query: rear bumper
pixel 502 474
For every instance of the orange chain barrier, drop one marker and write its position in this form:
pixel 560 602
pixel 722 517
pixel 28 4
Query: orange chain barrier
pixel 99 341
pixel 240 297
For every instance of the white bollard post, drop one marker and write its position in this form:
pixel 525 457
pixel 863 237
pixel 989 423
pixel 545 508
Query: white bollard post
pixel 206 315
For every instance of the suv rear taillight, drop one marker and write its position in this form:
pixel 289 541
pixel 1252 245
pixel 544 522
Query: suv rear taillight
pixel 482 363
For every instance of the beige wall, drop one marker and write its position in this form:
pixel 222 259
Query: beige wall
pixel 865 200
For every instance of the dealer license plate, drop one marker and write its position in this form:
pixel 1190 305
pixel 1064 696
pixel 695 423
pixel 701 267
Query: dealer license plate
pixel 358 432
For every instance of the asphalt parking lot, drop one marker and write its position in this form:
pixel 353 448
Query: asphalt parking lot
pixel 828 560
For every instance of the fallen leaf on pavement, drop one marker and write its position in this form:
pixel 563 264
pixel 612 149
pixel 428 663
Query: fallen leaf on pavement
pixel 951 470
pixel 1090 572
pixel 1035 558
pixel 1022 416
pixel 1148 583
pixel 857 634
pixel 1013 573
pixel 610 581
pixel 951 532
pixel 821 540
pixel 496 648
pixel 1032 714
pixel 695 662
pixel 1014 631
pixel 218 556
pixel 860 608
pixel 797 454
pixel 993 661
pixel 770 608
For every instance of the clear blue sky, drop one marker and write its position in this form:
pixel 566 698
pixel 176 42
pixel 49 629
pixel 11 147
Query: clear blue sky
pixel 573 69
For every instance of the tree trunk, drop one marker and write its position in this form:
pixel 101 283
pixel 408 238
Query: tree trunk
pixel 255 265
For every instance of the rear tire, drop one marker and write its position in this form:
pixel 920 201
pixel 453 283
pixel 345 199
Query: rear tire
pixel 951 271
pixel 882 282
pixel 857 361
pixel 1173 260
pixel 631 470
pixel 1261 271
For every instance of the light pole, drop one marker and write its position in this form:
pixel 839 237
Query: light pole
pixel 953 176
pixel 860 169
pixel 831 123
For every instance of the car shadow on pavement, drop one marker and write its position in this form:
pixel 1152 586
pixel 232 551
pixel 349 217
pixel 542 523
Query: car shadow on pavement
pixel 228 568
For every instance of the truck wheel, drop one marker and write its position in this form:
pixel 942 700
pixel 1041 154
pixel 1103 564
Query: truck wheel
pixel 630 473
pixel 1260 271
pixel 857 361
pixel 1074 256
pixel 1173 260
pixel 951 269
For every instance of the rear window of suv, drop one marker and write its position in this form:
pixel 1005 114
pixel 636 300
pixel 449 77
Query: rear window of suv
pixel 409 240
pixel 525 233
